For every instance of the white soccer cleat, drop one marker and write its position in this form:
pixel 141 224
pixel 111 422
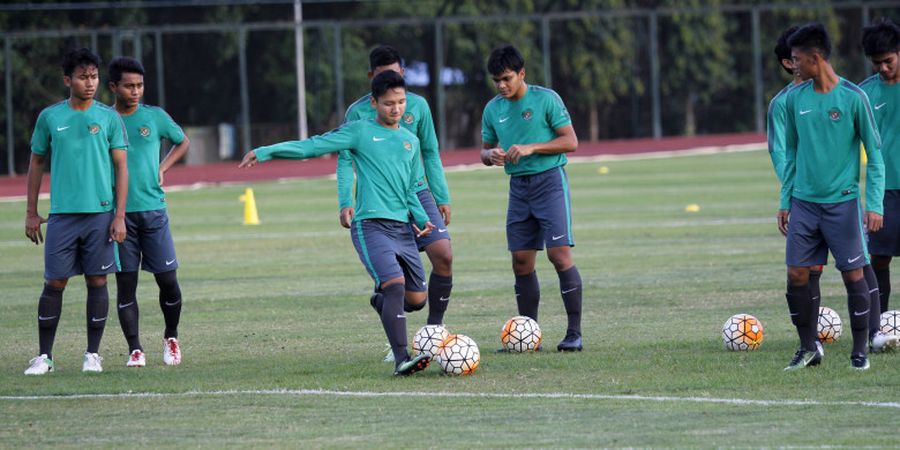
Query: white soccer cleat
pixel 136 359
pixel 92 363
pixel 883 342
pixel 171 352
pixel 39 365
pixel 389 357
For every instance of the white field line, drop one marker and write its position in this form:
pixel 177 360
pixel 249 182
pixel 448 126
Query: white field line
pixel 486 395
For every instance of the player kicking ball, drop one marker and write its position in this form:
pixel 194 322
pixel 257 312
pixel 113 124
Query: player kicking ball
pixel 826 119
pixel 388 170
pixel 148 244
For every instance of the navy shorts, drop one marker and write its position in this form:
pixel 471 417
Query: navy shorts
pixel 815 228
pixel 539 212
pixel 387 249
pixel 886 242
pixel 434 215
pixel 79 244
pixel 148 244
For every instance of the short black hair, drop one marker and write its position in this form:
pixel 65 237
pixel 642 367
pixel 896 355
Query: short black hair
pixel 77 58
pixel 881 37
pixel 782 49
pixel 812 37
pixel 505 58
pixel 124 64
pixel 384 55
pixel 386 80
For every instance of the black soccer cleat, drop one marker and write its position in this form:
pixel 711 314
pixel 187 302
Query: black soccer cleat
pixel 572 343
pixel 859 362
pixel 820 353
pixel 412 365
pixel 802 358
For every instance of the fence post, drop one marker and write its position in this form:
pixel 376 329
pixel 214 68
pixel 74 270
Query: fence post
pixel 301 70
pixel 545 44
pixel 10 137
pixel 438 71
pixel 338 73
pixel 654 75
pixel 757 73
pixel 160 71
pixel 245 94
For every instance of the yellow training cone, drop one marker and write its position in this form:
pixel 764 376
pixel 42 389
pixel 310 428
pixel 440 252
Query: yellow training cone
pixel 603 170
pixel 251 216
pixel 693 207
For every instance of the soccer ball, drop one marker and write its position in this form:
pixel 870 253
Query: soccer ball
pixel 459 355
pixel 428 340
pixel 890 322
pixel 521 334
pixel 830 326
pixel 742 332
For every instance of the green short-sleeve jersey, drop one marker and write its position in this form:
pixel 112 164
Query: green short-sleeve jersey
pixel 885 101
pixel 822 136
pixel 82 178
pixel 146 127
pixel 534 118
pixel 775 130
pixel 417 119
pixel 388 170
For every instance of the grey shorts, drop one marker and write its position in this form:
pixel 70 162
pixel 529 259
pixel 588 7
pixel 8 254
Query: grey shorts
pixel 815 228
pixel 540 211
pixel 387 249
pixel 434 215
pixel 886 242
pixel 79 244
pixel 148 244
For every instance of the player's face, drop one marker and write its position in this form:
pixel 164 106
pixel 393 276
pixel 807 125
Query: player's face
pixel 887 65
pixel 129 90
pixel 509 83
pixel 83 82
pixel 395 67
pixel 806 64
pixel 390 106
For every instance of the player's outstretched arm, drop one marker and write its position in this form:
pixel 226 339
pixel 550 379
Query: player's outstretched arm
pixel 249 160
pixel 120 162
pixel 33 220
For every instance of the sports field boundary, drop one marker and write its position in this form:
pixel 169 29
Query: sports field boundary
pixel 483 395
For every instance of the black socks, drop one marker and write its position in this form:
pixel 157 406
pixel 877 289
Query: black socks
pixel 528 295
pixel 439 288
pixel 49 309
pixel 127 308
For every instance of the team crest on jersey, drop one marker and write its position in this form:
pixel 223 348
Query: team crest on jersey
pixel 144 131
pixel 407 145
pixel 94 128
pixel 527 114
pixel 408 118
pixel 834 114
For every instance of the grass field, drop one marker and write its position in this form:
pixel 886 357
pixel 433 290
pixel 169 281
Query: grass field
pixel 282 349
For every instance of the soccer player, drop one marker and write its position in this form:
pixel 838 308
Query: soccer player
pixel 527 130
pixel 826 119
pixel 88 191
pixel 881 44
pixel 148 243
pixel 388 172
pixel 431 187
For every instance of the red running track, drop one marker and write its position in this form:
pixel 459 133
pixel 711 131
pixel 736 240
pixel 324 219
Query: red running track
pixel 228 172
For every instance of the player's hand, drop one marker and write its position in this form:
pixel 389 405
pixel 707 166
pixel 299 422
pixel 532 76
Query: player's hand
pixel 162 177
pixel 346 217
pixel 873 221
pixel 249 160
pixel 783 219
pixel 445 213
pixel 497 156
pixel 33 228
pixel 517 152
pixel 422 233
pixel 117 230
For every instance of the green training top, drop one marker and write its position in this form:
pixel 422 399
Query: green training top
pixel 775 130
pixel 531 119
pixel 146 127
pixel 81 169
pixel 885 101
pixel 822 137
pixel 387 166
pixel 416 119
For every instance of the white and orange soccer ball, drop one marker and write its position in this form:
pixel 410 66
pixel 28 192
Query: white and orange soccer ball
pixel 459 355
pixel 742 332
pixel 830 326
pixel 521 334
pixel 429 339
pixel 890 322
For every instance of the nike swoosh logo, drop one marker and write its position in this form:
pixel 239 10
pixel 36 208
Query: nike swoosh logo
pixel 376 139
pixel 503 119
pixel 857 314
pixel 879 106
pixel 556 238
pixel 853 260
pixel 445 299
pixel 106 266
pixel 169 263
pixel 400 316
pixel 67 127
pixel 803 113
pixel 94 319
pixel 46 318
pixel 795 314
pixel 441 230
pixel 125 305
pixel 173 303
pixel 570 290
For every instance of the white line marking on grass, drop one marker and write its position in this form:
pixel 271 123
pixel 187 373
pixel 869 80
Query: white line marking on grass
pixel 489 395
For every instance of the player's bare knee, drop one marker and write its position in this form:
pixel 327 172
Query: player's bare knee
pixel 414 301
pixel 852 276
pixel 95 280
pixel 798 276
pixel 57 284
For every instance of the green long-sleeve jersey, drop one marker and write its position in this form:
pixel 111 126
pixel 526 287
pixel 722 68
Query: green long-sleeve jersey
pixel 822 136
pixel 885 100
pixel 388 170
pixel 417 119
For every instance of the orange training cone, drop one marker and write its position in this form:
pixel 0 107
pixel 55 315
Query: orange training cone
pixel 251 216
